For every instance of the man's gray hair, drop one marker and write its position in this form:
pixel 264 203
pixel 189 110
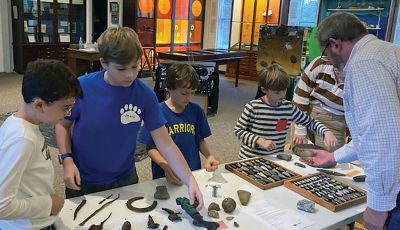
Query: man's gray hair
pixel 343 26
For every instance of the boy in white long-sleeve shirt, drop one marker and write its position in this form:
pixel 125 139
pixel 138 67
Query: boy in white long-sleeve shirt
pixel 27 198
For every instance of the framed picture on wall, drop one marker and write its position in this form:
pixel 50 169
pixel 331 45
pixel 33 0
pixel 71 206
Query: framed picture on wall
pixel 114 19
pixel 114 7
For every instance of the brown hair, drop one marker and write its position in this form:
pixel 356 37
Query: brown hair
pixel 181 75
pixel 120 45
pixel 274 78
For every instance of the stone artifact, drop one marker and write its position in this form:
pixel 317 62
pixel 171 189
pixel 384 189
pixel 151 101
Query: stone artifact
pixel 330 172
pixel 298 164
pixel 108 197
pixel 306 205
pixel 214 206
pixel 172 216
pixel 229 205
pixel 98 210
pixel 213 213
pixel 192 211
pixel 244 197
pixel 83 202
pixel 284 156
pixel 261 172
pixel 329 189
pixel 359 178
pixel 229 218
pixel 303 150
pixel 135 209
pixel 151 224
pixel 235 224
pixel 100 226
pixel 161 193
pixel 165 227
pixel 126 225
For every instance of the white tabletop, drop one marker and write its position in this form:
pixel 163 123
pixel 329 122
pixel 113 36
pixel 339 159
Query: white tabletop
pixel 279 197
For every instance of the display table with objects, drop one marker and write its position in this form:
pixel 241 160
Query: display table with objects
pixel 219 56
pixel 272 208
pixel 208 82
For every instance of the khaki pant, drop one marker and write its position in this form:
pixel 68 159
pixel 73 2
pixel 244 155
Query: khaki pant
pixel 335 123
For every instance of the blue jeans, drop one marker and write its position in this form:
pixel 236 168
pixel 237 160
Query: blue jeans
pixel 393 220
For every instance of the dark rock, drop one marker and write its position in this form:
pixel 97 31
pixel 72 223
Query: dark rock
pixel 229 205
pixel 284 156
pixel 161 193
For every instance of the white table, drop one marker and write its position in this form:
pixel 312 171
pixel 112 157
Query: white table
pixel 279 197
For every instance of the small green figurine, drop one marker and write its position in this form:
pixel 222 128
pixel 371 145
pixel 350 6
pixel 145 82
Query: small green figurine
pixel 192 211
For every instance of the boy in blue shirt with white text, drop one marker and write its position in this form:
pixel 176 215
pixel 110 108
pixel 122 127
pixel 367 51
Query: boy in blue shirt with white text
pixel 186 123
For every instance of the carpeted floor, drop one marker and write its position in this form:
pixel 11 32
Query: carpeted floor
pixel 223 143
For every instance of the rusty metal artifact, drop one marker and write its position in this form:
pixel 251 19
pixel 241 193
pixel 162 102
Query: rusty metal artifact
pixel 135 209
pixel 83 202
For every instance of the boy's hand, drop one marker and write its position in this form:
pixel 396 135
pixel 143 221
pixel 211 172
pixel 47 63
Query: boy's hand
pixel 266 144
pixel 329 139
pixel 211 164
pixel 170 175
pixel 57 204
pixel 300 139
pixel 72 177
pixel 195 193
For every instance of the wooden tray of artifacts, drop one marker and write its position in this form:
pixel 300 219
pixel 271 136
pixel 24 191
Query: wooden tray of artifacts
pixel 263 173
pixel 327 191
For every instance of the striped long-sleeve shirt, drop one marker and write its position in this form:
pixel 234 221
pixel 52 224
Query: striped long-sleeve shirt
pixel 272 123
pixel 318 86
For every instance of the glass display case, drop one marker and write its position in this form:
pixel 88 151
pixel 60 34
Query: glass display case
pixel 45 29
pixel 374 13
pixel 247 17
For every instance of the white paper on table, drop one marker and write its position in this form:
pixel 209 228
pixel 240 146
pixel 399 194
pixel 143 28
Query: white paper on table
pixel 276 218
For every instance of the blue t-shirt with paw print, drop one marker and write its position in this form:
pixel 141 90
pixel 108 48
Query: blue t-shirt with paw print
pixel 106 123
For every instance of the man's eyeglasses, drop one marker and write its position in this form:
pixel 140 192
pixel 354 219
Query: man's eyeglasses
pixel 323 56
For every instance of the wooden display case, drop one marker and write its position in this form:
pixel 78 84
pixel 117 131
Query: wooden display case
pixel 355 195
pixel 263 173
pixel 45 28
pixel 247 17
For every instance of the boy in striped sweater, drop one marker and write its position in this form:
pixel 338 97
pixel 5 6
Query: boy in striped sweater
pixel 264 123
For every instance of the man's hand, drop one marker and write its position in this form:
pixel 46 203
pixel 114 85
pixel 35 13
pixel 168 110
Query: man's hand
pixel 211 164
pixel 329 139
pixel 266 144
pixel 57 204
pixel 170 175
pixel 322 158
pixel 374 220
pixel 195 193
pixel 300 139
pixel 72 177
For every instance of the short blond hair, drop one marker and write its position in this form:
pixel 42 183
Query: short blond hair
pixel 120 45
pixel 274 77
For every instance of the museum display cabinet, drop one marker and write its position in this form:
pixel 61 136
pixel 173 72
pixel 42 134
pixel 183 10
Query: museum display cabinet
pixel 247 17
pixel 376 14
pixel 45 28
pixel 166 25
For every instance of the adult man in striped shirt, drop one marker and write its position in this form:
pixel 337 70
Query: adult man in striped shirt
pixel 372 108
pixel 320 92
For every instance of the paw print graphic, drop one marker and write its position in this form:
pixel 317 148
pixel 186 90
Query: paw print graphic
pixel 129 114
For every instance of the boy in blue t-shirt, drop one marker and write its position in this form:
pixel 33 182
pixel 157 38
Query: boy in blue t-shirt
pixel 100 153
pixel 186 123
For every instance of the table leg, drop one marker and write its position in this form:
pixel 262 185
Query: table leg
pixel 237 73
